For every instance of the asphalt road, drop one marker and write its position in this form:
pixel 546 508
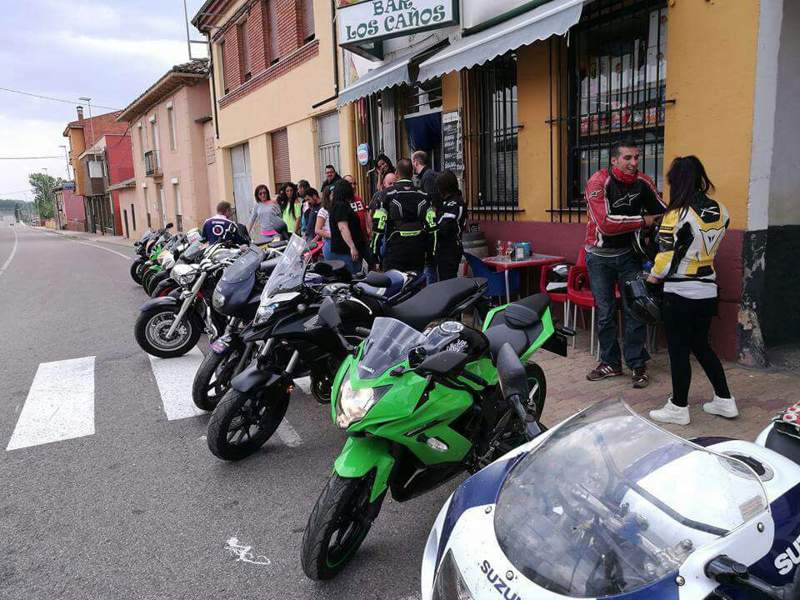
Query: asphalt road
pixel 139 508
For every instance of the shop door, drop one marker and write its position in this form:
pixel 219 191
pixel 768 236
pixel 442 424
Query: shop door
pixel 328 142
pixel 242 186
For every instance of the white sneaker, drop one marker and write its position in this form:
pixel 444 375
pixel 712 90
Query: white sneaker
pixel 679 415
pixel 724 407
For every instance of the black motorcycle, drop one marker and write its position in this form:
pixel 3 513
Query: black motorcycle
pixel 295 342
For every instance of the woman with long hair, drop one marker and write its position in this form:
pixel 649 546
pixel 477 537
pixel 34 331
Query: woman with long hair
pixel 689 237
pixel 323 225
pixel 347 241
pixel 290 206
pixel 267 214
pixel 451 220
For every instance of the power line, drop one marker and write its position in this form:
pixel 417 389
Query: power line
pixel 30 157
pixel 54 99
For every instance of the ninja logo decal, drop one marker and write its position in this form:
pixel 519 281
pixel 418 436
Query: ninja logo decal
pixel 626 200
pixel 711 238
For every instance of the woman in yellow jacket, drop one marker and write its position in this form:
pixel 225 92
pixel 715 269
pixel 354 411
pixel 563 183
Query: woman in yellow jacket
pixel 689 237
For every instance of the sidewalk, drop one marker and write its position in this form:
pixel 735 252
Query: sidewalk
pixel 759 394
pixel 117 240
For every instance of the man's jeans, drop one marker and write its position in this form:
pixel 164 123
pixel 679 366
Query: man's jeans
pixel 604 272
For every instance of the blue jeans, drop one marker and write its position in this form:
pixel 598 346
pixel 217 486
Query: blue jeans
pixel 604 272
pixel 326 249
pixel 347 260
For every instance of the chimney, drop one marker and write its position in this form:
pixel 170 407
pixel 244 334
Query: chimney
pixel 80 113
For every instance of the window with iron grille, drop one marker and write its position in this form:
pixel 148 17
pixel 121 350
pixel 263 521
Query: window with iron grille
pixel 615 70
pixel 491 138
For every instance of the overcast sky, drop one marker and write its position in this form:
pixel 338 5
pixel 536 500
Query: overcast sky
pixel 108 50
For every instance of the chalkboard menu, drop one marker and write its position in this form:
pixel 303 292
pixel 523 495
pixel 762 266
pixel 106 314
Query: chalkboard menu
pixel 452 142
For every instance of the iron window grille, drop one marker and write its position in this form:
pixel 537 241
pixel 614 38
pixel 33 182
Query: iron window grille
pixel 491 134
pixel 608 84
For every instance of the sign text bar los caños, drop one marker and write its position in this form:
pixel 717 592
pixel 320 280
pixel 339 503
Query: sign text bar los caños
pixel 380 19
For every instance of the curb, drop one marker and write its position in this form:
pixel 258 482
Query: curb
pixel 72 236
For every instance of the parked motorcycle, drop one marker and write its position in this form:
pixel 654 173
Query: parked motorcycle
pixel 169 257
pixel 167 326
pixel 148 249
pixel 609 505
pixel 297 343
pixel 420 408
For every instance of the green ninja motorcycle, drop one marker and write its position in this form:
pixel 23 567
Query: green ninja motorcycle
pixel 419 409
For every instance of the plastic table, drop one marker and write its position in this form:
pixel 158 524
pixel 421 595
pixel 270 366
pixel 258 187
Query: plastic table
pixel 504 264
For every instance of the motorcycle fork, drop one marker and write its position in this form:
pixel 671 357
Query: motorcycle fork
pixel 187 303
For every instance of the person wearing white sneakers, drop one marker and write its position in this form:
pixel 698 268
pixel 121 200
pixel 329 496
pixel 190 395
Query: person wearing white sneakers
pixel 689 236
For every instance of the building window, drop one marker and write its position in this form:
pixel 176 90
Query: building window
pixel 178 207
pixel 280 157
pixel 244 51
pixel 616 65
pixel 305 10
pixel 491 137
pixel 328 142
pixel 222 68
pixel 154 133
pixel 173 141
pixel 273 49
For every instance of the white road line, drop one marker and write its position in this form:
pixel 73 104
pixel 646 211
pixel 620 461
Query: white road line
pixel 59 406
pixel 174 377
pixel 288 435
pixel 10 256
pixel 126 257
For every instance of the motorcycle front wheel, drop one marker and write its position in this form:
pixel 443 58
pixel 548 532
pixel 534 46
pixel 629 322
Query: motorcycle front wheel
pixel 341 519
pixel 213 378
pixel 136 274
pixel 153 325
pixel 243 421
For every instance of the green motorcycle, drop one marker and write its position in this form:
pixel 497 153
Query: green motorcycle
pixel 418 410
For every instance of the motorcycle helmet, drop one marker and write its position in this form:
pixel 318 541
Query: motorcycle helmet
pixel 645 242
pixel 644 300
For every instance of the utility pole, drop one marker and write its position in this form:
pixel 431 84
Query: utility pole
pixel 66 158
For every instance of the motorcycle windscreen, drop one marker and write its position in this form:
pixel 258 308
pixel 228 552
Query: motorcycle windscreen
pixel 388 344
pixel 289 272
pixel 194 251
pixel 244 267
pixel 610 503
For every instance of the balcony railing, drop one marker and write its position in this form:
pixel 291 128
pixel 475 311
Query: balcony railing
pixel 152 164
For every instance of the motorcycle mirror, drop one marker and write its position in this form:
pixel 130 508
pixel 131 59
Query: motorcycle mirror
pixel 330 314
pixel 511 373
pixel 444 363
pixel 169 226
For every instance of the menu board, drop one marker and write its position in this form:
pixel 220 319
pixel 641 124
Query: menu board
pixel 452 142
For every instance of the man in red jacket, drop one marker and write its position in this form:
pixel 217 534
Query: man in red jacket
pixel 620 200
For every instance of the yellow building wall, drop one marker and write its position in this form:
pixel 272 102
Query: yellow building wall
pixel 347 140
pixel 451 92
pixel 533 89
pixel 303 151
pixel 711 64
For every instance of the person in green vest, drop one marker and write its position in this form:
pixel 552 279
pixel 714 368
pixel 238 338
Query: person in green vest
pixel 291 206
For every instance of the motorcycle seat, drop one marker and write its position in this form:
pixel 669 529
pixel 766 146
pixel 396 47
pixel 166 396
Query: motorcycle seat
pixel 434 302
pixel 519 326
pixel 378 280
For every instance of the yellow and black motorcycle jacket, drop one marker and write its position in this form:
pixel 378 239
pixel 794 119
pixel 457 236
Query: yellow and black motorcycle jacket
pixel 688 241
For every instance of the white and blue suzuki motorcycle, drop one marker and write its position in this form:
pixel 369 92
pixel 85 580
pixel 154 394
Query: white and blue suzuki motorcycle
pixel 608 505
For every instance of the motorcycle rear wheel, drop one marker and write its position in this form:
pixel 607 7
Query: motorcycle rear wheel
pixel 243 421
pixel 341 519
pixel 213 378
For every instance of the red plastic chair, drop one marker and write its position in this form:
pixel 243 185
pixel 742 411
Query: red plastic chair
pixel 559 296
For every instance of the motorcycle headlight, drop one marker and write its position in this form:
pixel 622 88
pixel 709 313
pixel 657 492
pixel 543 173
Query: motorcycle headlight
pixel 184 275
pixel 264 313
pixel 352 404
pixel 217 300
pixel 449 584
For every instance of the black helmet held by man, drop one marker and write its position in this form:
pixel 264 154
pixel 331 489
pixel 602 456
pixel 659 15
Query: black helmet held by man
pixel 644 299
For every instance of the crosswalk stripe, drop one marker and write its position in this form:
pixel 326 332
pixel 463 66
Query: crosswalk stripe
pixel 59 406
pixel 174 377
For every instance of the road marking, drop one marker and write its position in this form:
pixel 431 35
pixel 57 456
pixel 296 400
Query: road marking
pixel 288 435
pixel 59 406
pixel 245 553
pixel 125 256
pixel 10 256
pixel 174 377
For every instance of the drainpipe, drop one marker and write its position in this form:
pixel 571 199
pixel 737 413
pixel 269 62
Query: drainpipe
pixel 335 59
pixel 213 83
